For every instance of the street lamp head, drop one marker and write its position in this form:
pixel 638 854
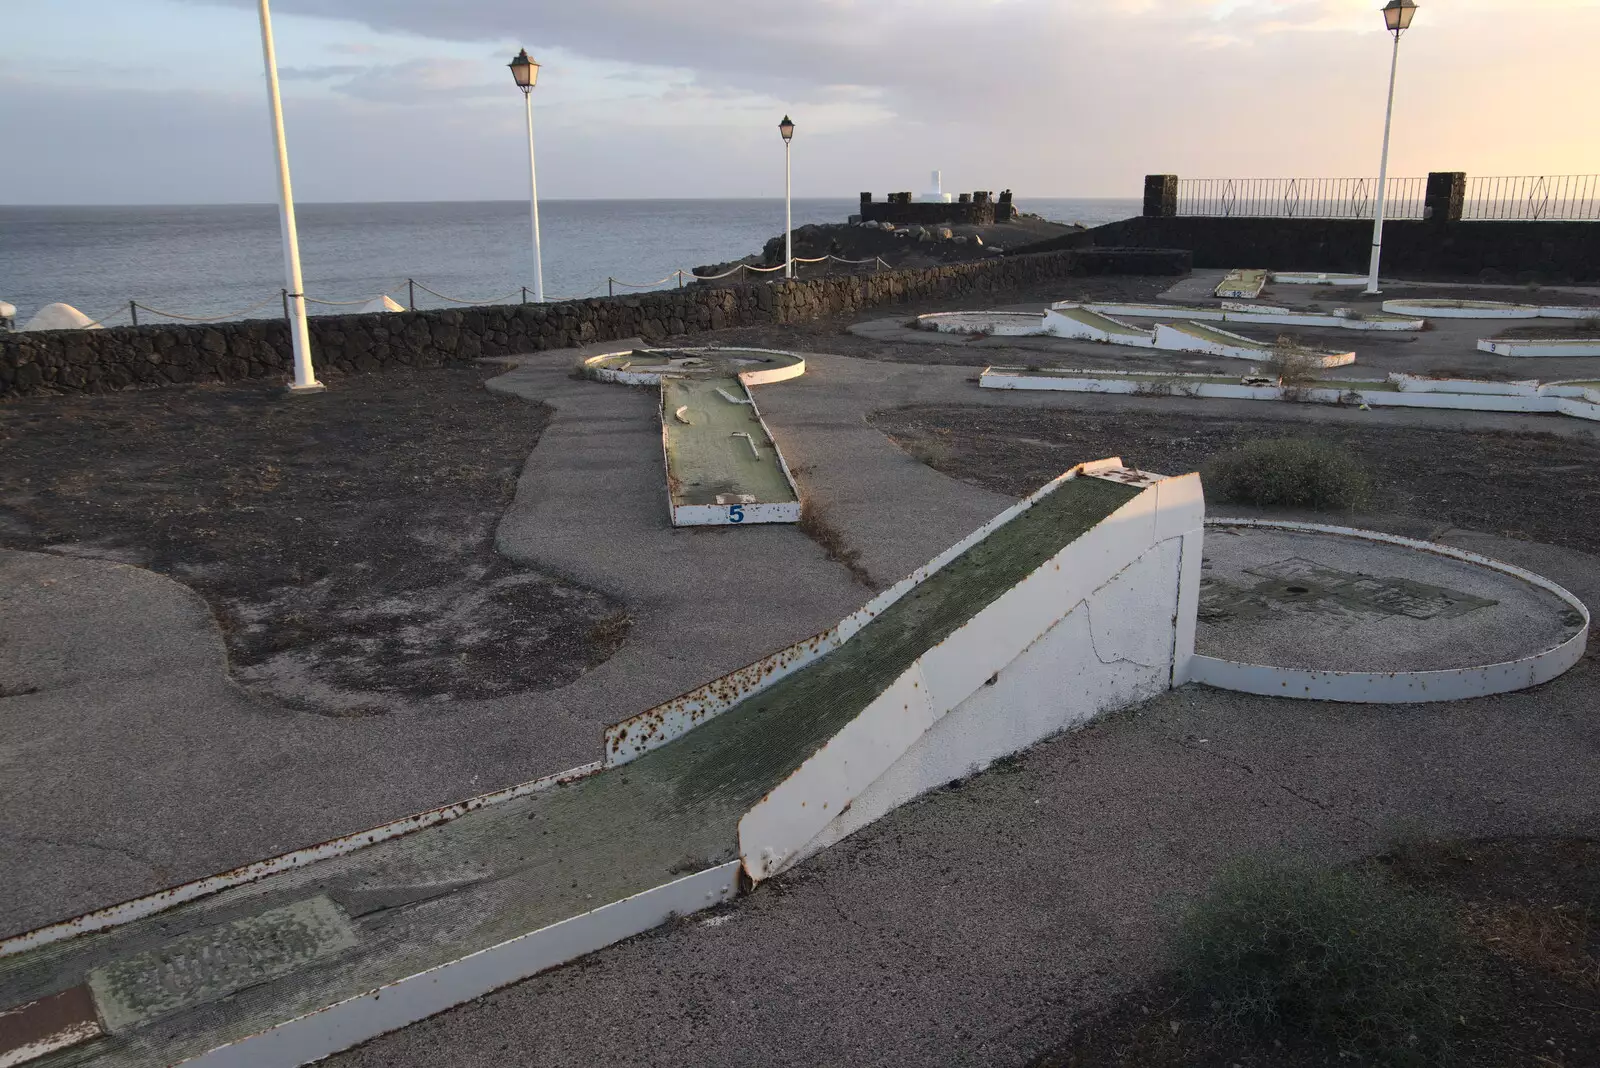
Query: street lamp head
pixel 524 70
pixel 1397 15
pixel 786 128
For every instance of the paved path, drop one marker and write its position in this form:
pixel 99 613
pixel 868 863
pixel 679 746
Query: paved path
pixel 972 927
pixel 137 764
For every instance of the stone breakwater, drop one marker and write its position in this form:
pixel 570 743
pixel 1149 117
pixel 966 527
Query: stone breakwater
pixel 131 357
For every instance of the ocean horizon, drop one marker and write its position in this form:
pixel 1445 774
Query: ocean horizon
pixel 222 259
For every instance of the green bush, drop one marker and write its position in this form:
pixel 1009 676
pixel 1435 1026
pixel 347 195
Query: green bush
pixel 1345 961
pixel 1290 472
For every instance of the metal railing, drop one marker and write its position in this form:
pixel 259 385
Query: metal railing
pixel 1300 198
pixel 1561 197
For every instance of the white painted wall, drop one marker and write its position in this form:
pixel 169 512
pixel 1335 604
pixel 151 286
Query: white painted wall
pixel 1095 628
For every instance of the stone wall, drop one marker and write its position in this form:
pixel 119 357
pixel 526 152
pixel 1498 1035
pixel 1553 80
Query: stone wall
pixel 1554 253
pixel 970 209
pixel 123 357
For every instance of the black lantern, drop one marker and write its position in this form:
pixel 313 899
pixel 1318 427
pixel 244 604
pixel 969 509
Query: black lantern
pixel 786 128
pixel 524 70
pixel 1397 15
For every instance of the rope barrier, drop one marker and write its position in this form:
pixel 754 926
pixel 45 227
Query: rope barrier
pixel 611 283
pixel 645 285
pixel 345 303
pixel 205 318
pixel 459 300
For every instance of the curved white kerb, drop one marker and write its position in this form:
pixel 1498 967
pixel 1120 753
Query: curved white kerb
pixel 1397 687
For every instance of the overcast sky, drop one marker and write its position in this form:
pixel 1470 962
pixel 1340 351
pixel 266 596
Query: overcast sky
pixel 162 101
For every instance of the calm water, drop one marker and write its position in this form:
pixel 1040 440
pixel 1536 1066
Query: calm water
pixel 210 260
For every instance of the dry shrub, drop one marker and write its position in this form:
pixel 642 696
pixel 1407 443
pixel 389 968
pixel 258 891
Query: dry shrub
pixel 1288 473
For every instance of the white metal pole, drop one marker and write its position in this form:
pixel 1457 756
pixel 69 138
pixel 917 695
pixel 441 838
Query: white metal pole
pixel 533 197
pixel 305 379
pixel 1383 175
pixel 788 216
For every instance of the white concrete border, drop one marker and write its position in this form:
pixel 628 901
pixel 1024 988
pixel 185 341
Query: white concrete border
pixel 1309 278
pixel 1536 347
pixel 1577 400
pixel 1246 315
pixel 1396 687
pixel 353 1021
pixel 1443 308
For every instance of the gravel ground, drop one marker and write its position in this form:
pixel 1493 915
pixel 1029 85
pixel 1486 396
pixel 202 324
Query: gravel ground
pixel 344 541
pixel 1532 486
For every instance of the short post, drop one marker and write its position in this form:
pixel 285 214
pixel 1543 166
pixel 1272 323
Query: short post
pixel 133 311
pixel 411 291
pixel 286 318
pixel 1160 196
pixel 524 294
pixel 680 278
pixel 611 288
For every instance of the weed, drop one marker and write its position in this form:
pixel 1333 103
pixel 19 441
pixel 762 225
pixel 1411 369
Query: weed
pixel 928 450
pixel 1346 960
pixel 607 634
pixel 1590 326
pixel 1289 473
pixel 1294 365
pixel 816 525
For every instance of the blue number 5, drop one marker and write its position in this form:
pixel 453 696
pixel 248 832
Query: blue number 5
pixel 736 513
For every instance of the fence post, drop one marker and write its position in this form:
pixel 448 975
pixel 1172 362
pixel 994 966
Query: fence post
pixel 1445 197
pixel 1160 195
pixel 411 294
pixel 524 294
pixel 133 310
pixel 680 278
pixel 286 318
pixel 611 290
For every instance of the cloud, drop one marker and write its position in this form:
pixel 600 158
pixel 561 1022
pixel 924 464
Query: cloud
pixel 640 97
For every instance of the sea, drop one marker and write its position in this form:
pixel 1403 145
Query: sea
pixel 226 261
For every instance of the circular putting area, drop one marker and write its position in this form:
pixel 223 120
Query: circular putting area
pixel 991 323
pixel 1327 613
pixel 646 367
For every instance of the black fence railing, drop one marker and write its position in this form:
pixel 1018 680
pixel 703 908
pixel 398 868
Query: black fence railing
pixel 1561 197
pixel 1300 198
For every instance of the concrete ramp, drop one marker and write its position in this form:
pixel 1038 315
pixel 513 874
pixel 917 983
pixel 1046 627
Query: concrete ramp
pixel 1076 322
pixel 1081 603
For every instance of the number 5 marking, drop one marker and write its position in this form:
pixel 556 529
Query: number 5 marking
pixel 736 513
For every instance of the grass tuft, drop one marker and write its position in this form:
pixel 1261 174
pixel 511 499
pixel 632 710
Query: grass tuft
pixel 1343 960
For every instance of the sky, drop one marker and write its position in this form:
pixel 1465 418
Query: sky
pixel 163 101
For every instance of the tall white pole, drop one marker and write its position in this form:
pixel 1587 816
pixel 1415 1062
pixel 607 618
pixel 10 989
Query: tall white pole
pixel 1383 175
pixel 305 379
pixel 788 216
pixel 533 197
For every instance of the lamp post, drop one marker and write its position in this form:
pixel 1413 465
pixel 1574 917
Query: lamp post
pixel 1397 16
pixel 786 131
pixel 305 379
pixel 526 73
